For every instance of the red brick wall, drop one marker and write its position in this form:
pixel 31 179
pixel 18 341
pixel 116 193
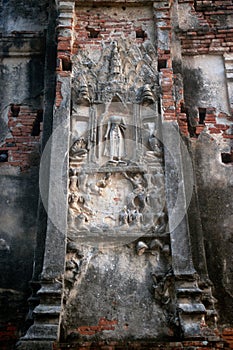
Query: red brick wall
pixel 8 336
pixel 92 26
pixel 23 140
pixel 227 335
pixel 209 36
pixel 214 125
pixel 92 21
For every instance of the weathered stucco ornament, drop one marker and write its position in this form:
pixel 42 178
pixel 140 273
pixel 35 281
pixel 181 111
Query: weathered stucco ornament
pixel 115 134
pixel 112 185
pixel 141 247
pixel 117 186
pixel 78 151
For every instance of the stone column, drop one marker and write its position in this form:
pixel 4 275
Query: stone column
pixel 179 186
pixel 190 311
pixel 46 327
pixel 228 61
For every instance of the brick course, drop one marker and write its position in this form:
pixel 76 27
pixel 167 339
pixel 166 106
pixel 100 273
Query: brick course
pixel 23 140
pixel 208 36
pixel 9 334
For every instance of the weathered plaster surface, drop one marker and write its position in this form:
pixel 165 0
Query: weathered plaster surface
pixel 205 82
pixel 215 190
pixel 117 285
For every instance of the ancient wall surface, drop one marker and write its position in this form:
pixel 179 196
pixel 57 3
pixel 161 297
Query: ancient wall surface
pixel 124 269
pixel 22 51
pixel 205 38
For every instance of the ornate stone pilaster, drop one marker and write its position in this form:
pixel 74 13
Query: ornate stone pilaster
pixel 47 314
pixel 46 326
pixel 190 310
pixel 179 184
pixel 228 61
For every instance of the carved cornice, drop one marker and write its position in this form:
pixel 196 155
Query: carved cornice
pixel 22 44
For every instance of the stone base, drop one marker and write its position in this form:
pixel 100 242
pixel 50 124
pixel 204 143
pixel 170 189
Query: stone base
pixel 41 332
pixel 144 345
pixel 35 345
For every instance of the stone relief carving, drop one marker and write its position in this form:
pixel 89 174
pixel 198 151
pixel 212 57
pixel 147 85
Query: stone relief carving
pixel 162 286
pixel 115 64
pixel 109 200
pixel 78 150
pixel 154 247
pixel 115 147
pixel 123 68
pixel 116 159
pixel 147 97
pixel 74 260
pixel 155 148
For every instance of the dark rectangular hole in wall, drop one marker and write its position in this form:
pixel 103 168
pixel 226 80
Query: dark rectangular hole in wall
pixel 183 109
pixel 162 64
pixel 140 33
pixel 3 156
pixel 92 33
pixel 66 65
pixel 195 5
pixel 159 106
pixel 202 115
pixel 227 157
pixel 36 125
pixel 15 109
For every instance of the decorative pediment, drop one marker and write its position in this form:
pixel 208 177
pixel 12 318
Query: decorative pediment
pixel 122 70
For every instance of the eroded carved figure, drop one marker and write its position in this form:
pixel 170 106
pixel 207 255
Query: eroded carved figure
pixel 124 217
pixel 115 61
pixel 147 95
pixel 155 149
pixel 129 200
pixel 162 285
pixel 115 136
pixel 137 197
pixel 78 151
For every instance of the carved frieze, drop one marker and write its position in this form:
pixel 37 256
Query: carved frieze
pixel 116 200
pixel 123 70
pixel 116 157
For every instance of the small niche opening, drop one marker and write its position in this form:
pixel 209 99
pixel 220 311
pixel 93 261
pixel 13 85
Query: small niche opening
pixel 141 34
pixel 92 33
pixel 123 8
pixel 3 156
pixel 66 65
pixel 183 109
pixel 191 127
pixel 159 106
pixel 227 157
pixel 15 109
pixel 162 64
pixel 36 124
pixel 195 5
pixel 202 115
